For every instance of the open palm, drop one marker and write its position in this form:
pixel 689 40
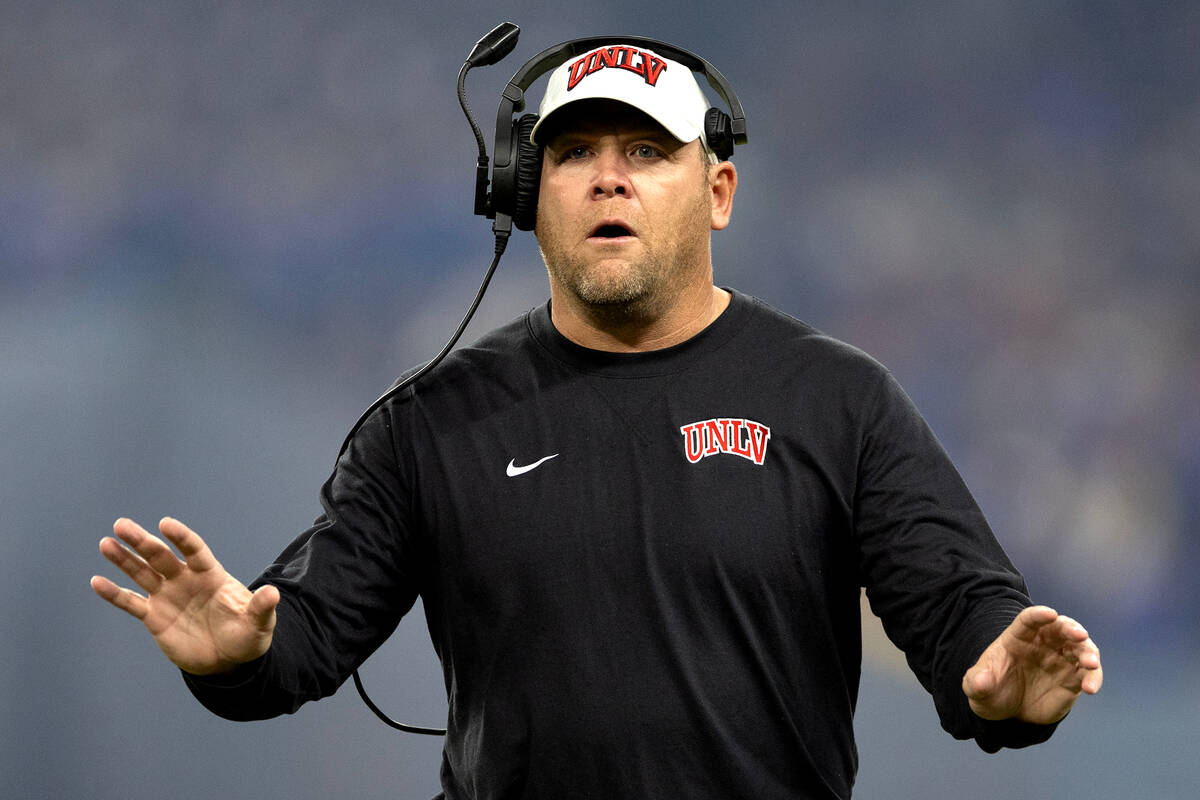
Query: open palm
pixel 201 617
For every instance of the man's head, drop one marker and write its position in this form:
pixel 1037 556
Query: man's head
pixel 629 192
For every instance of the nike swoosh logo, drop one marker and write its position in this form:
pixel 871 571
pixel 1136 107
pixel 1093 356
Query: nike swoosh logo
pixel 513 470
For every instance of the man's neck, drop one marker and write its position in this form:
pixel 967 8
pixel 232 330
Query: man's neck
pixel 623 330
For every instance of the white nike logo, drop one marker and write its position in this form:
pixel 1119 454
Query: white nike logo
pixel 513 470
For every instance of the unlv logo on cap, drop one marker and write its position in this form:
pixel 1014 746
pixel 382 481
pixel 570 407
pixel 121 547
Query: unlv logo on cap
pixel 644 63
pixel 736 437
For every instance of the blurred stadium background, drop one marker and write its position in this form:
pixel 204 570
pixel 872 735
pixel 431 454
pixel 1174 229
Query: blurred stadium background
pixel 226 226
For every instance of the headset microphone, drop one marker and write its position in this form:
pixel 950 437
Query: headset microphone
pixel 495 45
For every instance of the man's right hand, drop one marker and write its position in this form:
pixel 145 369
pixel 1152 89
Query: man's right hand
pixel 201 617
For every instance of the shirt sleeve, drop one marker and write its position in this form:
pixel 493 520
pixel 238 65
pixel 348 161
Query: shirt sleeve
pixel 344 583
pixel 933 570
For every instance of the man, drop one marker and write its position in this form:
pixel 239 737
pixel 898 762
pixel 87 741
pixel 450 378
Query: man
pixel 638 518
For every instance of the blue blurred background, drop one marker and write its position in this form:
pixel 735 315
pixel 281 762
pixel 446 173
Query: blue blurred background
pixel 226 226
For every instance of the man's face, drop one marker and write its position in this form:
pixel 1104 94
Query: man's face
pixel 624 210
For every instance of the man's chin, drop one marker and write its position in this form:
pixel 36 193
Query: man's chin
pixel 623 303
pixel 616 288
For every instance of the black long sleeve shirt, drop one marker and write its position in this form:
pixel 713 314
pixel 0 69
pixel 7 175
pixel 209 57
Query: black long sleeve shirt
pixel 667 604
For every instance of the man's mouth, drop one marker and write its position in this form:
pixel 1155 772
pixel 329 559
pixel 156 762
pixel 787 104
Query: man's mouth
pixel 610 230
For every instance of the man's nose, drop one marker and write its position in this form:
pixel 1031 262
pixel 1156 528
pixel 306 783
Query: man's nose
pixel 612 175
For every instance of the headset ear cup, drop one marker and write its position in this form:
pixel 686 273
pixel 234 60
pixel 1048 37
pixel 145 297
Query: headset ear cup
pixel 718 133
pixel 528 175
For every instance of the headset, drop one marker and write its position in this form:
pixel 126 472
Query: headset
pixel 517 171
pixel 516 176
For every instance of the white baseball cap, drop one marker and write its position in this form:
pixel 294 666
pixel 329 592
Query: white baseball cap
pixel 662 88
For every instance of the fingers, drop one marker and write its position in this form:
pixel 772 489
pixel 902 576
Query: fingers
pixel 148 561
pixel 131 603
pixel 152 549
pixel 157 554
pixel 1030 622
pixel 262 607
pixel 193 548
pixel 1070 630
pixel 1086 657
pixel 138 570
pixel 1073 642
pixel 1075 646
pixel 978 683
pixel 1094 679
pixel 1047 628
pixel 1043 626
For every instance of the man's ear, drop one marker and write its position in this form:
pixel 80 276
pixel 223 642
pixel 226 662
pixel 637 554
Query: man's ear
pixel 722 178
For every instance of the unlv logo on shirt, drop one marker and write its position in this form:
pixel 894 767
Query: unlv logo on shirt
pixel 736 437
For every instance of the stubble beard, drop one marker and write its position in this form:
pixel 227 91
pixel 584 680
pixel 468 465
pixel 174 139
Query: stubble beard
pixel 640 290
pixel 625 292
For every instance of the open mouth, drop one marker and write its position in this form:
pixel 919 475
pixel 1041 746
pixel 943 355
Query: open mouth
pixel 611 231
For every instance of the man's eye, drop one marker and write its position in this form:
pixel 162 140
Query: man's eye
pixel 577 152
pixel 646 151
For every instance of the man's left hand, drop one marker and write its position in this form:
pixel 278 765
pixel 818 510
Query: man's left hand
pixel 1035 670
